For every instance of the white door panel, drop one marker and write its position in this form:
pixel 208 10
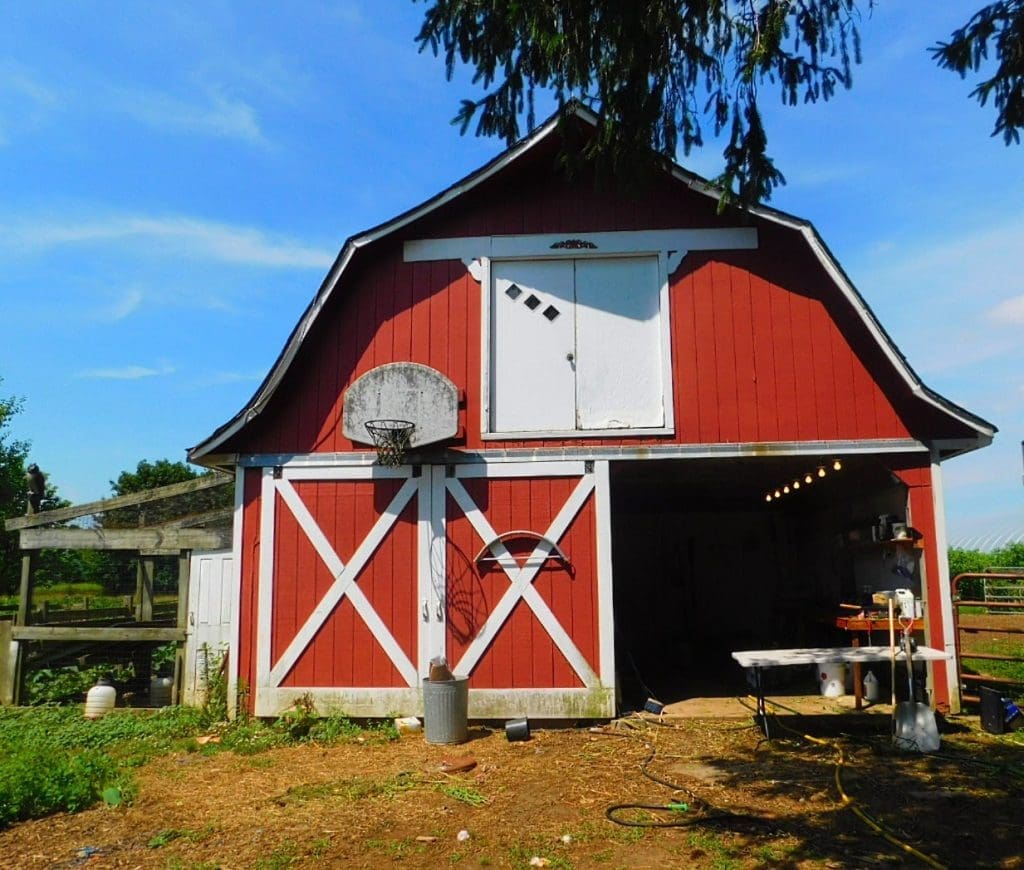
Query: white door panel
pixel 533 346
pixel 618 343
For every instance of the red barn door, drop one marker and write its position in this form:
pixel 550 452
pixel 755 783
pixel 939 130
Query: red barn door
pixel 529 589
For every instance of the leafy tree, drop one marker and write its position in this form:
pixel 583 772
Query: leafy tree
pixel 116 571
pixel 53 566
pixel 1002 24
pixel 13 493
pixel 656 73
pixel 162 472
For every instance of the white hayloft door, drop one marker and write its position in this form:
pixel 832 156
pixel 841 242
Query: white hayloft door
pixel 576 345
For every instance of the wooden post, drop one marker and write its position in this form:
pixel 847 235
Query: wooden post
pixel 8 665
pixel 28 570
pixel 184 570
pixel 144 590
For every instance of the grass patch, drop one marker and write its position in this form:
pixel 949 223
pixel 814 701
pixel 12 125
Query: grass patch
pixel 463 793
pixel 356 789
pixel 55 760
pixel 1004 646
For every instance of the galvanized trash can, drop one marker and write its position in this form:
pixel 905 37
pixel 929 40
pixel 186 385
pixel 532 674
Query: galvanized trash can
pixel 446 710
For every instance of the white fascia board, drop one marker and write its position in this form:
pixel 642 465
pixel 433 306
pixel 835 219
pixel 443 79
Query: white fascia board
pixel 585 244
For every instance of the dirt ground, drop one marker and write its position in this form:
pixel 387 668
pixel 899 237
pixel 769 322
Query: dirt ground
pixel 749 802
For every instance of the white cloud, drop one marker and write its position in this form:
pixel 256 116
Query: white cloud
pixel 177 236
pixel 125 373
pixel 128 303
pixel 1009 312
pixel 218 115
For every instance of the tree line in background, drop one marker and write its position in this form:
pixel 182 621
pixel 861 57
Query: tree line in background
pixel 111 572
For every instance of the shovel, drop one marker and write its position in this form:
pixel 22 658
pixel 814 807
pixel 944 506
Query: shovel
pixel 914 722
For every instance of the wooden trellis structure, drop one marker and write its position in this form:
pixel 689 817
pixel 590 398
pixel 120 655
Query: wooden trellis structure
pixel 178 537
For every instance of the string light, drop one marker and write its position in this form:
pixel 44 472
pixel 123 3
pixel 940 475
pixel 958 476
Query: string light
pixel 808 479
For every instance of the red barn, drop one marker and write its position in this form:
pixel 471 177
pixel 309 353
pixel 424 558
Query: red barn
pixel 644 434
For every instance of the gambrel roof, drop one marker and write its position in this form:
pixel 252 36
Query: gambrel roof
pixel 980 431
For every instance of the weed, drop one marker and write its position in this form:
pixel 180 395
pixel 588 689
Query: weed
pixel 602 857
pixel 283 856
pixel 318 848
pixel 464 793
pixel 334 729
pixel 169 835
pixel 355 789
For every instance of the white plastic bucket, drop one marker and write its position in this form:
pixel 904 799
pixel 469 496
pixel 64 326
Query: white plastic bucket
pixel 100 700
pixel 832 679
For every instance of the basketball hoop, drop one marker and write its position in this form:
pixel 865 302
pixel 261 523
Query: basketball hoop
pixel 391 438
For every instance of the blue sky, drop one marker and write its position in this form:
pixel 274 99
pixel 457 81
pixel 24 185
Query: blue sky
pixel 177 178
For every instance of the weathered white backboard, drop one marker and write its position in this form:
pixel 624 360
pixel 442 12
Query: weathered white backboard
pixel 402 391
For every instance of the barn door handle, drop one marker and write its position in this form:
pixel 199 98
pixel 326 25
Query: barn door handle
pixel 440 610
pixel 570 356
pixel 425 611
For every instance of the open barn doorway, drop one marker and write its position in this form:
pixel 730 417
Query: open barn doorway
pixel 704 564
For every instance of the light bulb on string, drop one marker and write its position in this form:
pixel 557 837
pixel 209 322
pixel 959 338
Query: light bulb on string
pixel 768 497
pixel 778 494
pixel 785 488
pixel 821 471
pixel 796 484
pixel 808 478
pixel 837 465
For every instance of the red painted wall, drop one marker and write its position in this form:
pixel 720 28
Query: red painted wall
pixel 763 346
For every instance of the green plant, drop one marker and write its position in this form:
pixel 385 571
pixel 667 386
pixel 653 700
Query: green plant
pixel 463 793
pixel 215 681
pixel 283 856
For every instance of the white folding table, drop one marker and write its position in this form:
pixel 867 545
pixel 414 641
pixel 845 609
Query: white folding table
pixel 759 659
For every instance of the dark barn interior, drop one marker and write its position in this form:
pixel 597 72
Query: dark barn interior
pixel 704 564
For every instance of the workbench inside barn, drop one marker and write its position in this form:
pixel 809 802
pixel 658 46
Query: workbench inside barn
pixel 758 660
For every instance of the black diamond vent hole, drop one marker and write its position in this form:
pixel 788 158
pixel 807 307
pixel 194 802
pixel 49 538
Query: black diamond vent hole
pixel 532 302
pixel 513 292
pixel 551 312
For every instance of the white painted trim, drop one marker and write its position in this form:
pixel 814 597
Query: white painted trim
pixel 606 244
pixel 356 702
pixel 236 593
pixel 526 469
pixel 344 472
pixel 590 703
pixel 438 565
pixel 486 331
pixel 665 270
pixel 521 580
pixel 946 601
pixel 345 582
pixel 605 573
pixel 597 703
pixel 265 597
pixel 538 434
pixel 574 452
pixel 424 581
